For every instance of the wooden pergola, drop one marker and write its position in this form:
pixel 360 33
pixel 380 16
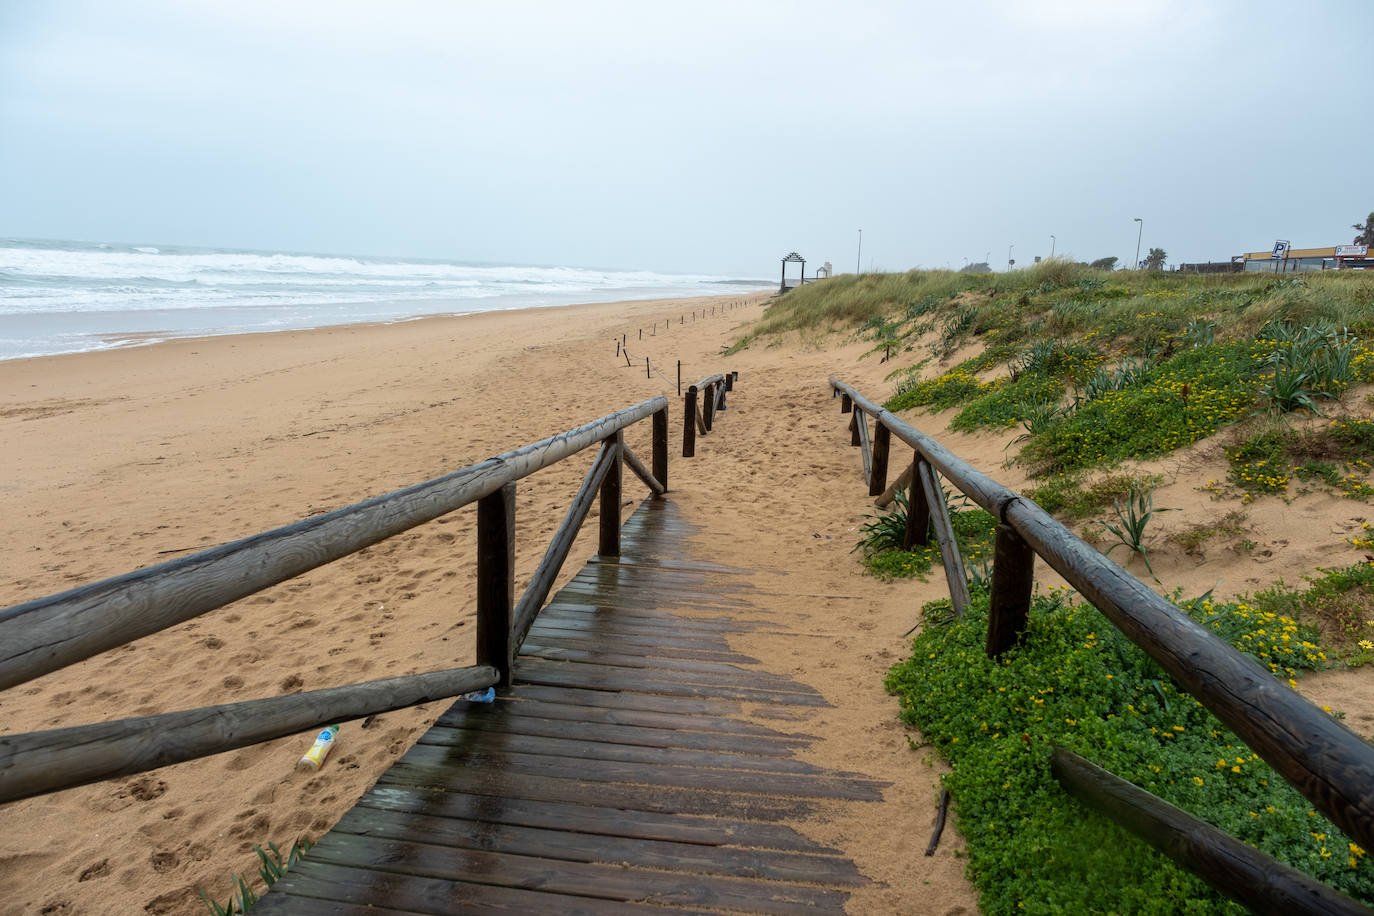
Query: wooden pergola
pixel 791 258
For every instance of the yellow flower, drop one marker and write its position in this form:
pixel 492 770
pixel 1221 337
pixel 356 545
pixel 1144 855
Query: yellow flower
pixel 1197 779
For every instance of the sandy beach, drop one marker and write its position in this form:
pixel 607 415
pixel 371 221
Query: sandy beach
pixel 122 459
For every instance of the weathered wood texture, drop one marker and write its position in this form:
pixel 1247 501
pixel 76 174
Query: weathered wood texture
pixel 689 422
pixel 1325 761
pixel 950 555
pixel 1013 577
pixel 37 762
pixel 49 633
pixel 637 782
pixel 496 579
pixel 608 542
pixel 1243 873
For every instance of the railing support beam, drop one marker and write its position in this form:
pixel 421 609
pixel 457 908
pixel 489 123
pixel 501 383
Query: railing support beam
pixel 660 456
pixel 609 542
pixel 689 422
pixel 496 579
pixel 1013 578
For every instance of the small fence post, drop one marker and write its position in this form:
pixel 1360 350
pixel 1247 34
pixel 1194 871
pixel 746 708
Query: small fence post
pixel 855 418
pixel 609 544
pixel 679 378
pixel 661 446
pixel 877 477
pixel 846 402
pixel 730 381
pixel 1013 577
pixel 647 373
pixel 496 579
pixel 708 406
pixel 689 422
pixel 720 393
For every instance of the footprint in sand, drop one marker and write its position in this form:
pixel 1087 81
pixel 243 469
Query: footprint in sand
pixel 99 870
pixel 164 861
pixel 292 682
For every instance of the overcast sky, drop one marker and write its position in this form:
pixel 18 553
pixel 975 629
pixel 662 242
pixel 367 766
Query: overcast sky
pixel 689 136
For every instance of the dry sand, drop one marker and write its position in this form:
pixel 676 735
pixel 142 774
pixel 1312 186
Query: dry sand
pixel 111 461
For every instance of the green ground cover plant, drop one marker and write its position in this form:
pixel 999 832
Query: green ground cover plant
pixel 1078 683
pixel 1337 602
pixel 1337 455
pixel 880 539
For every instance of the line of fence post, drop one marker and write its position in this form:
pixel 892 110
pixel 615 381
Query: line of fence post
pixel 689 422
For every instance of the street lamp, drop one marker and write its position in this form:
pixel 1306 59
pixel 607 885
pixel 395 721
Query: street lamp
pixel 1010 262
pixel 1052 240
pixel 858 258
pixel 1137 239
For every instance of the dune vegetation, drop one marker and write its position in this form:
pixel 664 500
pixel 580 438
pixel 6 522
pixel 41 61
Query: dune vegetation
pixel 1097 368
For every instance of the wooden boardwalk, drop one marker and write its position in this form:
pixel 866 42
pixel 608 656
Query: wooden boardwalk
pixel 619 774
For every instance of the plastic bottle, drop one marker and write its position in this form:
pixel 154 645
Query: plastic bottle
pixel 314 758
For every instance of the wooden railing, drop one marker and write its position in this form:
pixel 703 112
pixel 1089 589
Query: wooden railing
pixel 712 390
pixel 1321 758
pixel 50 633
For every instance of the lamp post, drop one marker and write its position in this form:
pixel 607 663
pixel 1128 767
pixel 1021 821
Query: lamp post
pixel 1009 260
pixel 1137 239
pixel 1052 240
pixel 858 258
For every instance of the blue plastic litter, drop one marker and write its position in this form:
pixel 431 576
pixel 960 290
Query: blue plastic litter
pixel 480 696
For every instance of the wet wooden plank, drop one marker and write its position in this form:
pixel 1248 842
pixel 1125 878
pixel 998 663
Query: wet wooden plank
pixel 593 819
pixel 618 699
pixel 581 879
pixel 668 752
pixel 648 648
pixel 660 798
pixel 515 724
pixel 430 764
pixel 314 886
pixel 611 656
pixel 628 849
pixel 525 705
pixel 605 677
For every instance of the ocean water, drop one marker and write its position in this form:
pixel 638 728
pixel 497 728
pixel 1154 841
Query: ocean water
pixel 66 297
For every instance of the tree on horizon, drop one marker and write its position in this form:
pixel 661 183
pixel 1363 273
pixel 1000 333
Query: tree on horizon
pixel 1105 263
pixel 1366 232
pixel 976 267
pixel 1155 259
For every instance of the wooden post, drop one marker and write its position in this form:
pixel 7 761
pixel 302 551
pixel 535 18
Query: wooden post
pixel 846 402
pixel 617 349
pixel 689 422
pixel 660 458
pixel 647 373
pixel 729 381
pixel 609 544
pixel 496 579
pixel 679 378
pixel 854 428
pixel 877 477
pixel 1013 577
pixel 917 512
pixel 708 406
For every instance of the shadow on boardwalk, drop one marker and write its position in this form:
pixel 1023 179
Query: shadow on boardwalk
pixel 620 773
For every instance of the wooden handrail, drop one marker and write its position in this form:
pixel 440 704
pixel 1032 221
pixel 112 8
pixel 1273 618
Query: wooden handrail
pixel 37 762
pixel 50 633
pixel 1328 763
pixel 1253 878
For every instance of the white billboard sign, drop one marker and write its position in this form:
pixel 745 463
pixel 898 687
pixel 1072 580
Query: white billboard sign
pixel 1352 251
